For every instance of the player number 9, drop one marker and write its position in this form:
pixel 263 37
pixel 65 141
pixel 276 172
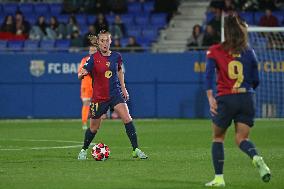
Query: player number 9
pixel 235 71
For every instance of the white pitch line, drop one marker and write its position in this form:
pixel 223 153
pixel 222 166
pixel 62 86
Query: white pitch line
pixel 40 148
pixel 35 140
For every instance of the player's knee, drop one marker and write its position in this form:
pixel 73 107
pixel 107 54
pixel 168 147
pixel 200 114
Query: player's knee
pixel 218 138
pixel 239 139
pixel 127 119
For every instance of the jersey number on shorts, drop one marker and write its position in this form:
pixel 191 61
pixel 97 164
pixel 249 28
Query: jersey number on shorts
pixel 235 71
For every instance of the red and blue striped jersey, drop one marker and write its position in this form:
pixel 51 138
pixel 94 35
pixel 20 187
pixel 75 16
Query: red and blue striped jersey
pixel 236 73
pixel 103 70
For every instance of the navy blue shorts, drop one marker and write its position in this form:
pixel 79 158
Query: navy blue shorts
pixel 237 107
pixel 98 109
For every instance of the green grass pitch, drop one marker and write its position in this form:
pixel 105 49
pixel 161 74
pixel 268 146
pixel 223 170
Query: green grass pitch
pixel 43 154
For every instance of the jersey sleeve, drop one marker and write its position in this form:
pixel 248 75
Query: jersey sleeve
pixel 210 69
pixel 255 74
pixel 209 73
pixel 210 53
pixel 119 65
pixel 89 63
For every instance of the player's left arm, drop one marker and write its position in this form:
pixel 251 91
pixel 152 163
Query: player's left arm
pixel 120 74
pixel 255 74
pixel 210 71
pixel 122 83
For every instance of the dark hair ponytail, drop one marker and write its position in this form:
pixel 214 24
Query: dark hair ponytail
pixel 236 38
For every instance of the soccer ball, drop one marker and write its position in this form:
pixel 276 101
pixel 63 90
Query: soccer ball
pixel 100 152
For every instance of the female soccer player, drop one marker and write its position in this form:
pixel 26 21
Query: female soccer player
pixel 86 83
pixel 237 77
pixel 108 91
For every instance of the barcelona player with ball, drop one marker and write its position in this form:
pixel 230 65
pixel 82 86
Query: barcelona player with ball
pixel 109 91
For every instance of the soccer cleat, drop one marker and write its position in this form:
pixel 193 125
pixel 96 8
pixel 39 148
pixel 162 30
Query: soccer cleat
pixel 263 169
pixel 84 127
pixel 217 182
pixel 137 153
pixel 82 155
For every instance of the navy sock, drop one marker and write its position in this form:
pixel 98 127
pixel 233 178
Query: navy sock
pixel 89 136
pixel 218 157
pixel 131 133
pixel 248 147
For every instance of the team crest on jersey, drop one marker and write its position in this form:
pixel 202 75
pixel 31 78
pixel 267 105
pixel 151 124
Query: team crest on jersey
pixel 107 64
pixel 37 68
pixel 108 74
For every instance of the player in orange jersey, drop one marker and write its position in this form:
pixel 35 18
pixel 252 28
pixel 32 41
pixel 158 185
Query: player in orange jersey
pixel 86 84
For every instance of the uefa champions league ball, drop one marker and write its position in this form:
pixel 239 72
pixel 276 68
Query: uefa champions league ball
pixel 100 152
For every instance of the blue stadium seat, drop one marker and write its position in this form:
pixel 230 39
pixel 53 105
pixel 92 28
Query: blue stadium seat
pixel 26 8
pixel 55 8
pixel 3 45
pixel 81 19
pixel 257 16
pixel 110 19
pixel 2 18
pixel 31 45
pixel 47 45
pixel 280 16
pixel 10 8
pixel 15 45
pixel 124 42
pixel 63 18
pixel 159 20
pixel 142 20
pixel 248 17
pixel 148 6
pixel 84 29
pixel 41 8
pixel 62 44
pixel 31 18
pixel 127 19
pixel 134 7
pixel 134 31
pixel 209 16
pixel 150 34
pixel 91 19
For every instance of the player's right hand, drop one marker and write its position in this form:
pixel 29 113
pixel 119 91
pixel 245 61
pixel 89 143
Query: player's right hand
pixel 213 106
pixel 82 73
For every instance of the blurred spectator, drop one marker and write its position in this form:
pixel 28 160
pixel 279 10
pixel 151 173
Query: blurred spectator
pixel 215 22
pixel 279 4
pixel 71 26
pixel 72 6
pixel 268 19
pixel 229 5
pixel 132 45
pixel 76 39
pixel 267 4
pixel 116 44
pixel 118 6
pixel 210 36
pixel 101 23
pixel 91 31
pixel 38 31
pixel 168 6
pixel 101 6
pixel 247 5
pixel 22 26
pixel 55 30
pixel 117 29
pixel 8 25
pixel 196 38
